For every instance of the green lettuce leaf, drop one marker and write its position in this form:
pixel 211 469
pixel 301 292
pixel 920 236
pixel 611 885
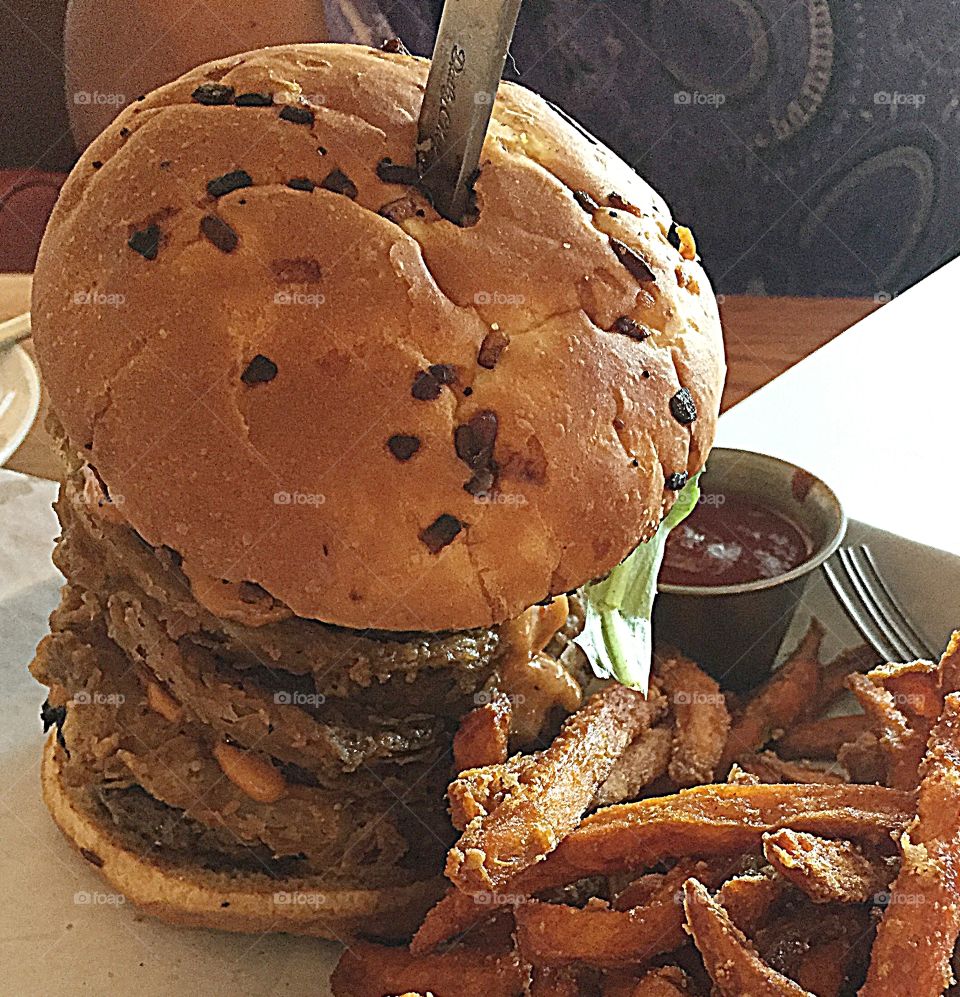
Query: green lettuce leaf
pixel 616 636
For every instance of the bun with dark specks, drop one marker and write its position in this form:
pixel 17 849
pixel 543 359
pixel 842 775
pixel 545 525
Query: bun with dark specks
pixel 287 368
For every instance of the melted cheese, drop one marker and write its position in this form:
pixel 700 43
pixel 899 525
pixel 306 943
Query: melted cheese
pixel 250 774
pixel 534 682
pixel 160 701
pixel 224 599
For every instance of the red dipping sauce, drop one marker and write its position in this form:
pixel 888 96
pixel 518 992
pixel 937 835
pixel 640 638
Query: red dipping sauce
pixel 732 539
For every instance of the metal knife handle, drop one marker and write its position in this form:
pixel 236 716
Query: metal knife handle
pixel 467 64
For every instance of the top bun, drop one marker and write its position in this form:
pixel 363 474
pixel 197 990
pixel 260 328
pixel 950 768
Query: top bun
pixel 266 342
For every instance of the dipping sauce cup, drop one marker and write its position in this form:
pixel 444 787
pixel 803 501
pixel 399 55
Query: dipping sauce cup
pixel 734 630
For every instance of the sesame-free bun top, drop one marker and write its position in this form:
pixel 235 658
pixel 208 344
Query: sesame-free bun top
pixel 284 365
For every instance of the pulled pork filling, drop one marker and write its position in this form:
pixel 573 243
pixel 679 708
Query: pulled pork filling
pixel 249 739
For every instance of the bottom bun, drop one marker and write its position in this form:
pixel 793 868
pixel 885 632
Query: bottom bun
pixel 245 902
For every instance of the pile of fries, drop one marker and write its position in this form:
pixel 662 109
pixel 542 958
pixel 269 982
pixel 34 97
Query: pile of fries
pixel 766 849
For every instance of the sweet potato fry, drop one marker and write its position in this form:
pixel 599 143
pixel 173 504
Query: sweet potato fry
pixel 916 937
pixel 828 871
pixel 897 740
pixel 530 870
pixel 820 738
pixel 949 666
pixel 654 886
pixel 449 917
pixel 833 676
pixel 887 719
pixel 917 689
pixel 731 961
pixel 367 970
pixel 716 820
pixel 864 759
pixel 474 793
pixel 483 735
pixel 642 761
pixel 603 937
pixel 767 767
pixel 700 720
pixel 558 935
pixel 636 892
pixel 917 692
pixel 550 799
pixel 750 898
pixel 477 792
pixel 914 685
pixel 783 699
pixel 707 820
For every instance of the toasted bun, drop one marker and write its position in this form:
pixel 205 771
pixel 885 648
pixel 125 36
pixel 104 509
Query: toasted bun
pixel 290 482
pixel 195 897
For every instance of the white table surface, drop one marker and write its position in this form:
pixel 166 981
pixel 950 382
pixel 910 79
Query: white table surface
pixel 876 414
pixel 873 413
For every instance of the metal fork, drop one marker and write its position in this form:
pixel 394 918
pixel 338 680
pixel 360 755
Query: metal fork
pixel 872 607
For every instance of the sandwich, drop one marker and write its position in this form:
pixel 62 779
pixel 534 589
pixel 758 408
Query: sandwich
pixel 339 470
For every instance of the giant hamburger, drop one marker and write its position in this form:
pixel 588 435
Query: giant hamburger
pixel 332 465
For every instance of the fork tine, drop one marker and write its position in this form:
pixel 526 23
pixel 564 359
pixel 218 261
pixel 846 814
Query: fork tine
pixel 868 629
pixel 874 610
pixel 897 615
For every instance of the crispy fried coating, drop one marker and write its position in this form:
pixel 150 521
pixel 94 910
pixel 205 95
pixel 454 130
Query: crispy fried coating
pixel 550 799
pixel 785 697
pixel 731 961
pixel 919 929
pixel 827 870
